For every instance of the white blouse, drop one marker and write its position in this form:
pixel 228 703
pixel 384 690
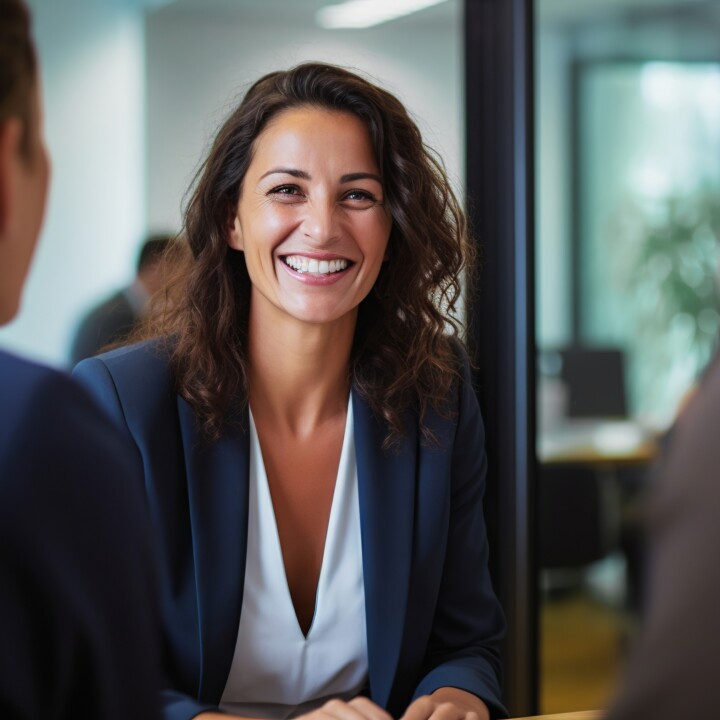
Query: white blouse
pixel 277 672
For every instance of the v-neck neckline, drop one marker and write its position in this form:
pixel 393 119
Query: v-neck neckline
pixel 265 502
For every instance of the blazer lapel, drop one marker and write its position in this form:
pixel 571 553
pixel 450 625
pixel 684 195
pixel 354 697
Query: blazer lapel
pixel 386 489
pixel 217 478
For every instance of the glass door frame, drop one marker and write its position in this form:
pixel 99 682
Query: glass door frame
pixel 499 87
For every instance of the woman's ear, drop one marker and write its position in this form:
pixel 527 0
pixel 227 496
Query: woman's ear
pixel 235 239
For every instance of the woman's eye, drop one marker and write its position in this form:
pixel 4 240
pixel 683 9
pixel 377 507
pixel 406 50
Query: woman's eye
pixel 360 198
pixel 286 192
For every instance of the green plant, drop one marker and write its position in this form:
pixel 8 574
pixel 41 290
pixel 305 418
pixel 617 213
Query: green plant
pixel 674 279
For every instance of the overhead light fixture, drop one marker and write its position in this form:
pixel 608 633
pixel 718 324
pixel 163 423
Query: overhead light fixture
pixel 366 13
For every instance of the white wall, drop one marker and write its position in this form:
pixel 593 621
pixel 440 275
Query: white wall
pixel 198 67
pixel 92 61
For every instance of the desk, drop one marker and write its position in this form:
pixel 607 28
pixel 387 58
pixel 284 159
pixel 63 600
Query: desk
pixel 611 443
pixel 582 715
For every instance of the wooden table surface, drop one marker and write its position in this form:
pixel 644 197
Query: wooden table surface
pixel 623 442
pixel 582 715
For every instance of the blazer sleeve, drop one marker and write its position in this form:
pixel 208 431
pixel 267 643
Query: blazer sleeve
pixel 80 625
pixel 95 375
pixel 464 647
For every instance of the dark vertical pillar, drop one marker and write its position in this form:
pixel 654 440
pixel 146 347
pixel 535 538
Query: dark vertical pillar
pixel 499 117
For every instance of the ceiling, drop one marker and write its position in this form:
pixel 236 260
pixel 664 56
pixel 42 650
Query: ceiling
pixel 571 12
pixel 297 12
pixel 300 13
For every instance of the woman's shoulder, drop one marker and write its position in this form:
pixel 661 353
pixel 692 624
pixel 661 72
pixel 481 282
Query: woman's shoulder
pixel 148 356
pixel 460 353
pixel 442 418
pixel 136 375
pixel 461 367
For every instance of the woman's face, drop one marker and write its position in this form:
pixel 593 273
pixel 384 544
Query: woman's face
pixel 311 218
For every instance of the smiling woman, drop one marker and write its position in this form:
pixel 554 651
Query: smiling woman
pixel 312 197
pixel 312 446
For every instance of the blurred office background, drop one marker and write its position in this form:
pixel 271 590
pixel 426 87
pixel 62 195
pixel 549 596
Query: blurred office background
pixel 622 218
pixel 628 239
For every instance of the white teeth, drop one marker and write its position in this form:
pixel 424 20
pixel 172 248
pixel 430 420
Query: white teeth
pixel 318 267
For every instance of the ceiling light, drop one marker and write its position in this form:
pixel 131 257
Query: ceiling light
pixel 366 13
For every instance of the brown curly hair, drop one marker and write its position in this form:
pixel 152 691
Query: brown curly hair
pixel 402 356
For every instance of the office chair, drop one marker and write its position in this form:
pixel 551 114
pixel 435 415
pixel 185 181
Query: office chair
pixel 579 516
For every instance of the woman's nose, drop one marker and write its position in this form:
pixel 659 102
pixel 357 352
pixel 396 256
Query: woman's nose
pixel 320 223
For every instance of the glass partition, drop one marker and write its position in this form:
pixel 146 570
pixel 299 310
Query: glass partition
pixel 628 231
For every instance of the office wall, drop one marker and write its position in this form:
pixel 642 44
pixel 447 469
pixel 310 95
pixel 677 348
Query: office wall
pixel 92 66
pixel 198 66
pixel 553 188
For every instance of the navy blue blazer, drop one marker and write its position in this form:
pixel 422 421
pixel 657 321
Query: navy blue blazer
pixel 79 619
pixel 432 617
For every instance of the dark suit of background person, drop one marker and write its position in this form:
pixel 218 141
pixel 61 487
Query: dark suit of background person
pixel 78 616
pixel 673 672
pixel 411 501
pixel 114 318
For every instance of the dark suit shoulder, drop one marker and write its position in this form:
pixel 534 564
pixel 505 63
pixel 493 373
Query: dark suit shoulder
pixel 150 356
pixel 135 387
pixel 43 402
pixel 51 428
pixel 19 376
pixel 462 358
pixel 141 367
pixel 76 571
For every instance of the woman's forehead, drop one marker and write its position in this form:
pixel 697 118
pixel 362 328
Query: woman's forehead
pixel 315 136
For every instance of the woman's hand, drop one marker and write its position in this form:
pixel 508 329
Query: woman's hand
pixel 359 708
pixel 447 704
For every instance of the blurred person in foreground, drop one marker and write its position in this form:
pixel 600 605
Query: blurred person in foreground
pixel 77 607
pixel 116 317
pixel 673 670
pixel 313 446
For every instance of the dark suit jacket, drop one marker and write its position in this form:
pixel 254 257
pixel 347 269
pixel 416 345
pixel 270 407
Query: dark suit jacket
pixel 79 622
pixel 432 617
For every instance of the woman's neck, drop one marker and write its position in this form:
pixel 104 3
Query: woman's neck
pixel 299 373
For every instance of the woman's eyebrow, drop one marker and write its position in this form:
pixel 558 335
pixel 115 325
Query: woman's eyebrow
pixel 350 177
pixel 303 175
pixel 287 171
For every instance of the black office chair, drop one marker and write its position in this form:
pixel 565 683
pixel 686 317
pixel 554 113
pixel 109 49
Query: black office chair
pixel 578 504
pixel 579 516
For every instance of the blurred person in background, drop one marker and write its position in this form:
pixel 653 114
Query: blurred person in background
pixel 673 671
pixel 115 318
pixel 78 611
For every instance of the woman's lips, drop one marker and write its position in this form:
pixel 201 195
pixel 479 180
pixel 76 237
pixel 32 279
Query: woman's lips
pixel 303 264
pixel 316 271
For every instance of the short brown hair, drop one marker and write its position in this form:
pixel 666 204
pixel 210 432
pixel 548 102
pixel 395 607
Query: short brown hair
pixel 18 65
